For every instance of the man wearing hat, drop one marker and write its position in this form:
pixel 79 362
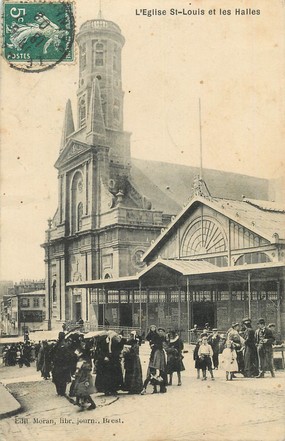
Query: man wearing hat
pixel 264 340
pixel 250 353
pixel 214 341
pixel 238 342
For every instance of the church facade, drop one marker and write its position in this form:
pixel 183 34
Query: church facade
pixel 103 224
pixel 99 247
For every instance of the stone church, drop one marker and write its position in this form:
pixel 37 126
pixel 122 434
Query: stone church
pixel 111 207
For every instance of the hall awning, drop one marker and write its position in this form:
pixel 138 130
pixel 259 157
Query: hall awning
pixel 195 270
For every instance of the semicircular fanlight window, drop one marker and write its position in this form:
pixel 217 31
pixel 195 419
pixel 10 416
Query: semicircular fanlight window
pixel 203 238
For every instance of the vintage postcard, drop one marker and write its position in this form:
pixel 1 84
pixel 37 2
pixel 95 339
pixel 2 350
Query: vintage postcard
pixel 142 220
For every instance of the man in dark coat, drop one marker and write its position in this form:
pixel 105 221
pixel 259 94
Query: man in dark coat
pixel 63 362
pixel 214 341
pixel 250 353
pixel 264 339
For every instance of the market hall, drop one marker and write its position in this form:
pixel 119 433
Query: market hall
pixel 217 262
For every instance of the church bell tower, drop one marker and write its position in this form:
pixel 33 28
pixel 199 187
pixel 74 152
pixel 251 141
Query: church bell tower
pixel 100 45
pixel 103 222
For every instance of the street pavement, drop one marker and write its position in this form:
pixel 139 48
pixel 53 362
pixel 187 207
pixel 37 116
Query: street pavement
pixel 239 410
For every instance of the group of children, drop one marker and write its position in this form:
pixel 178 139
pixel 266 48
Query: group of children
pixel 203 354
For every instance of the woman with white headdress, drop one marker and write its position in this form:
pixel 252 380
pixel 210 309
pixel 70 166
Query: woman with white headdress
pixel 109 375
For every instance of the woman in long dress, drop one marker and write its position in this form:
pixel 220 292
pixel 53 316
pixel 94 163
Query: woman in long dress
pixel 109 375
pixel 133 370
pixel 250 352
pixel 175 357
pixel 156 373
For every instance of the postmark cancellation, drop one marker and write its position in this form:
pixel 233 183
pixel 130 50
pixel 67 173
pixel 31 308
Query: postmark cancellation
pixel 38 35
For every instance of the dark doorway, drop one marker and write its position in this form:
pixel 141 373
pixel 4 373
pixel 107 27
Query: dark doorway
pixel 204 312
pixel 126 314
pixel 101 315
pixel 77 311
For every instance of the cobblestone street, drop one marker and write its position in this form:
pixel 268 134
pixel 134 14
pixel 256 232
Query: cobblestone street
pixel 241 410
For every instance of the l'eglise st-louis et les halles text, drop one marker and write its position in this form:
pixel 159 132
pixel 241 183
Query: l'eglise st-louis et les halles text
pixel 198 11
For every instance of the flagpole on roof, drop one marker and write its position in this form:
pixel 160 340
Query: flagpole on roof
pixel 100 10
pixel 201 145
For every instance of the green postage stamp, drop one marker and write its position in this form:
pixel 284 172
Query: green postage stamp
pixel 38 35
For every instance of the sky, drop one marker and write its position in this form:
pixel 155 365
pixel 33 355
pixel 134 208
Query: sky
pixel 234 64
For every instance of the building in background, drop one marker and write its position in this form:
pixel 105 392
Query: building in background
pixel 23 310
pixel 5 286
pixel 112 207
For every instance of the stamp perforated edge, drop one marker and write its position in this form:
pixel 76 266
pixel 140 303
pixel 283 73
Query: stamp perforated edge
pixel 19 65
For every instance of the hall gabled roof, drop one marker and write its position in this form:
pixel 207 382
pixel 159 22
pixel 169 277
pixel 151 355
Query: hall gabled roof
pixel 265 222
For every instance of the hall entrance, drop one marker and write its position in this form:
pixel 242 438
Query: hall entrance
pixel 126 314
pixel 204 312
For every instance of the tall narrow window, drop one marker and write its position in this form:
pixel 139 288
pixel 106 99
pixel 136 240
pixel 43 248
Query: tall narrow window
pixel 116 109
pixel 79 215
pixel 82 112
pixel 82 60
pixel 115 59
pixel 99 58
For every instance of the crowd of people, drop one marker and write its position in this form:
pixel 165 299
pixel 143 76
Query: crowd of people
pixel 116 360
pixel 21 354
pixel 241 350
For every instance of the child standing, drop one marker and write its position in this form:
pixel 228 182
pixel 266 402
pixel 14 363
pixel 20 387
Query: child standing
pixel 83 384
pixel 205 354
pixel 196 358
pixel 230 360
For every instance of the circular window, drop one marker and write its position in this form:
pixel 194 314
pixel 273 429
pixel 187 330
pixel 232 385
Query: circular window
pixel 137 258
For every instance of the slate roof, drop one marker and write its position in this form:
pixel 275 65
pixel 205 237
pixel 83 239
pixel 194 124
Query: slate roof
pixel 268 224
pixel 169 185
pixel 266 205
pixel 184 267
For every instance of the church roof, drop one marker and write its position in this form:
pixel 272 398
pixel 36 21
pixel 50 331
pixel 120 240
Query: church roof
pixel 169 185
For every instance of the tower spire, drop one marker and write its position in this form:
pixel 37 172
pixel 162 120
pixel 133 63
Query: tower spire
pixel 95 122
pixel 68 125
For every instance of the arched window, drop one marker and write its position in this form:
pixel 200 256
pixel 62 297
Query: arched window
pixel 76 202
pixel 82 112
pixel 79 216
pixel 203 237
pixel 252 258
pixel 99 54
